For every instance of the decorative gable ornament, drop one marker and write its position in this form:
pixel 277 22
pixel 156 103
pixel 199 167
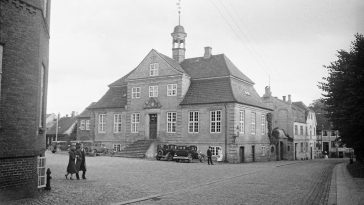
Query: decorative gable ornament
pixel 152 103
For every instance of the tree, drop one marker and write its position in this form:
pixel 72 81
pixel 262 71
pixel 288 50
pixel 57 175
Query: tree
pixel 344 95
pixel 320 109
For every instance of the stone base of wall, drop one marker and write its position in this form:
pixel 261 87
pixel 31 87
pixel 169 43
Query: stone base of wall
pixel 18 178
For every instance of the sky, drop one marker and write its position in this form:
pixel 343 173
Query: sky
pixel 281 43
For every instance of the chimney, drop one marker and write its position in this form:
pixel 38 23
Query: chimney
pixel 289 99
pixel 284 98
pixel 207 52
pixel 73 114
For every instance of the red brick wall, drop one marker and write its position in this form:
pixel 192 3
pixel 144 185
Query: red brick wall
pixel 24 34
pixel 18 177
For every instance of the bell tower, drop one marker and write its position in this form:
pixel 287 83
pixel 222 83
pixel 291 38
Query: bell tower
pixel 179 41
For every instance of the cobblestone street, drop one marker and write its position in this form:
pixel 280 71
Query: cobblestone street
pixel 113 180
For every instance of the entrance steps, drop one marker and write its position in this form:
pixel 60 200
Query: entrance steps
pixel 137 149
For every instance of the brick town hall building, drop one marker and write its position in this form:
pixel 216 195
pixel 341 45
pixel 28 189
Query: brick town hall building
pixel 204 101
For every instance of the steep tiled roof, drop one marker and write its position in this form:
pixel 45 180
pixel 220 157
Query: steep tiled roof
pixel 171 62
pixel 215 66
pixel 221 90
pixel 246 94
pixel 64 124
pixel 86 113
pixel 115 97
pixel 121 81
pixel 209 91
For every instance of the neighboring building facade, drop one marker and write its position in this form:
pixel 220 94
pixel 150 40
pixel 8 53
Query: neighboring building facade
pixel 67 130
pixel 298 122
pixel 84 131
pixel 24 40
pixel 332 145
pixel 204 101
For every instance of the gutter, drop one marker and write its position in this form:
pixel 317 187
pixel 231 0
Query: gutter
pixel 226 133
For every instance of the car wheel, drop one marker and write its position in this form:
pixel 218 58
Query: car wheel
pixel 189 158
pixel 169 157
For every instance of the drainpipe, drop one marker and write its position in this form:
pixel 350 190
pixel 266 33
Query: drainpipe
pixel 226 133
pixel 1 65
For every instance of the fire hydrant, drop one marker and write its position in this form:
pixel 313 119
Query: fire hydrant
pixel 48 183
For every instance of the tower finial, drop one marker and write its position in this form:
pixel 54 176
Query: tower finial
pixel 179 11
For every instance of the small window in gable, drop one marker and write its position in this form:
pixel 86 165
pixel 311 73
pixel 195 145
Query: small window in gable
pixel 246 92
pixel 153 69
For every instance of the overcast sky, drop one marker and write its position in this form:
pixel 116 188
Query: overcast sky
pixel 95 42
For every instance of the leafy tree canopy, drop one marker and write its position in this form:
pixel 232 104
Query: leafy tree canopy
pixel 344 94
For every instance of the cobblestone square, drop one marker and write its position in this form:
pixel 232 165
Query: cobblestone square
pixel 114 180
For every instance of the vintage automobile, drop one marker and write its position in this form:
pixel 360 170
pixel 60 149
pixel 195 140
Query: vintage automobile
pixel 95 149
pixel 186 153
pixel 165 152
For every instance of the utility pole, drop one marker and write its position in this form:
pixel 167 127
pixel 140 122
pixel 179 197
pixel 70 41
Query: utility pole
pixel 57 127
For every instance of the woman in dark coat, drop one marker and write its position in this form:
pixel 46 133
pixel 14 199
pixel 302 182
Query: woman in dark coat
pixel 83 162
pixel 71 168
pixel 78 154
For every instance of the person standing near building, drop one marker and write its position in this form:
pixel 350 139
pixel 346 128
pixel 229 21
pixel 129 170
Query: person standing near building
pixel 83 162
pixel 71 167
pixel 209 155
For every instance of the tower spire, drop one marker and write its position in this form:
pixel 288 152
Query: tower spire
pixel 179 8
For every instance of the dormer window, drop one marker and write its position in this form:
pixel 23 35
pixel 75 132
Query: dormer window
pixel 246 92
pixel 153 69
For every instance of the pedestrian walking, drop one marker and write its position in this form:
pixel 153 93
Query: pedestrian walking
pixel 209 155
pixel 78 154
pixel 71 167
pixel 83 162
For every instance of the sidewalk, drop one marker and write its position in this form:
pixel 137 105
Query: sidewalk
pixel 345 189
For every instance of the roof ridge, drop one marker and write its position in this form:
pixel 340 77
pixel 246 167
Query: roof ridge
pixel 228 61
pixel 164 56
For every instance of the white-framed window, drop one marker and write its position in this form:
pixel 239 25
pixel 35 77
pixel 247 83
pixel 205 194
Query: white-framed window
pixel 263 150
pixel 296 130
pixel 215 121
pixel 117 147
pixel 82 125
pixel 41 171
pixel 102 123
pixel 117 123
pixel 242 122
pixel 253 123
pixel 215 150
pixel 306 131
pixel 193 120
pixel 171 122
pixel 301 147
pixel 301 130
pixel 263 124
pixel 42 91
pixel 135 92
pixel 153 69
pixel 153 91
pixel 135 119
pixel 87 124
pixel 172 90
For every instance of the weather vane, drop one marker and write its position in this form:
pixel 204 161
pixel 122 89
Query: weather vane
pixel 179 11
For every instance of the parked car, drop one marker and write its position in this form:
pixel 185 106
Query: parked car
pixel 59 146
pixel 95 148
pixel 165 152
pixel 186 153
